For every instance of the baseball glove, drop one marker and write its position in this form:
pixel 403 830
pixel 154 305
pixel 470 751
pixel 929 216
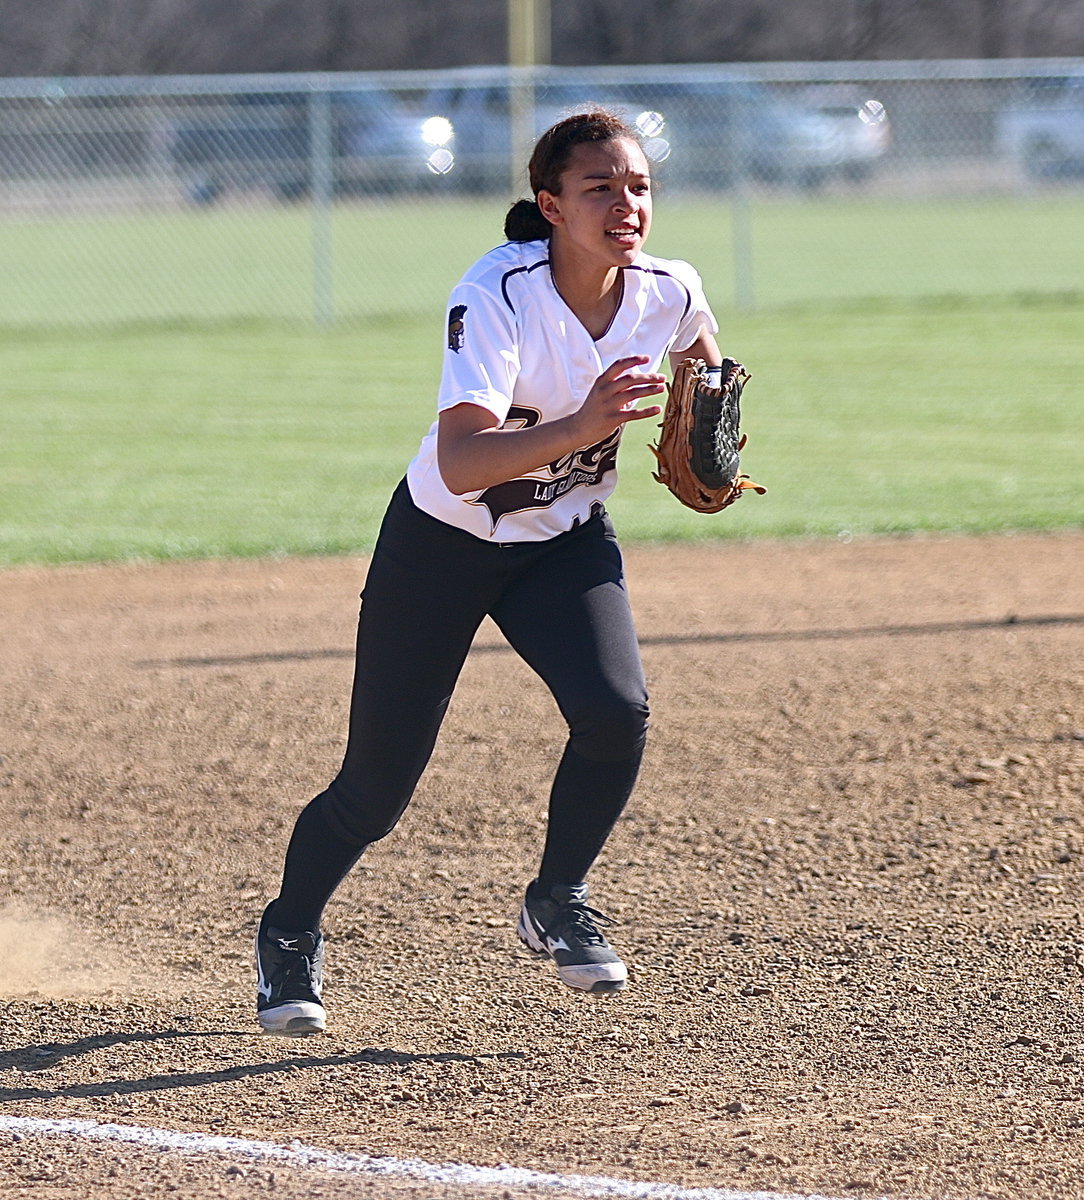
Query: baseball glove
pixel 697 451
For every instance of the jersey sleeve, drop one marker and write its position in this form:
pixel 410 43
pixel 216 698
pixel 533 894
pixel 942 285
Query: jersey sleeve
pixel 481 356
pixel 699 316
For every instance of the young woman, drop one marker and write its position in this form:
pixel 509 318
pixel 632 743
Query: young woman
pixel 554 340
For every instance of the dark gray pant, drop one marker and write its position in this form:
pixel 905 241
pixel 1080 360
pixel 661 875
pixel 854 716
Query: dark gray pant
pixel 563 607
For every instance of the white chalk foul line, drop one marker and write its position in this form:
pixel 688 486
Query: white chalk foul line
pixel 298 1155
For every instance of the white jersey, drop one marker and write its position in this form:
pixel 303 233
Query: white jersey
pixel 517 350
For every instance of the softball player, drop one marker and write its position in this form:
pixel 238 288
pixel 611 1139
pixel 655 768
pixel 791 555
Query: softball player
pixel 553 341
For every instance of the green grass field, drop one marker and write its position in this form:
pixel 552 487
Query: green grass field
pixel 914 368
pixel 245 263
pixel 254 440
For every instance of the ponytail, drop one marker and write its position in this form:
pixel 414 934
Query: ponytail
pixel 525 222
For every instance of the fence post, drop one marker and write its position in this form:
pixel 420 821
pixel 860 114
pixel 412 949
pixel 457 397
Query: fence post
pixel 322 174
pixel 528 48
pixel 741 219
pixel 741 238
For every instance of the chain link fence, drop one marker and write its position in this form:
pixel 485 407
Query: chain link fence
pixel 324 198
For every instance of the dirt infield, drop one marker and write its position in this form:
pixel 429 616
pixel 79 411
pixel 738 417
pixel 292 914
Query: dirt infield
pixel 848 886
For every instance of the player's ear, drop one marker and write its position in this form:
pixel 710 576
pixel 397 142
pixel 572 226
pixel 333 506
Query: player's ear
pixel 549 206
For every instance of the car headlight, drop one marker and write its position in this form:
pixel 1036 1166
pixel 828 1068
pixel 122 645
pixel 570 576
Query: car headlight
pixel 437 131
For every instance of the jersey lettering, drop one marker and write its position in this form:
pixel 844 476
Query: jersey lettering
pixel 581 468
pixel 521 418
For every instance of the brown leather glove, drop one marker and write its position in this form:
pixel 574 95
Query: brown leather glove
pixel 697 451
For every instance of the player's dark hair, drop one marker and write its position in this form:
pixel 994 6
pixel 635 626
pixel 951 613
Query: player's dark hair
pixel 524 221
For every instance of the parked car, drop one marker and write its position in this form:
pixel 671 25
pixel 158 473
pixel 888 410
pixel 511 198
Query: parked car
pixel 717 133
pixel 708 134
pixel 476 120
pixel 268 141
pixel 1042 134
pixel 458 137
pixel 838 133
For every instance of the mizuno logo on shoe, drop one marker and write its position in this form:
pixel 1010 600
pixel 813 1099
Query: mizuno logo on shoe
pixel 553 944
pixel 287 943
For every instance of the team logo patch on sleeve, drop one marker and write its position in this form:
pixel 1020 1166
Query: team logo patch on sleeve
pixel 456 327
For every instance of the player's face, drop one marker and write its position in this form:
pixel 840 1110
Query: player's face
pixel 604 207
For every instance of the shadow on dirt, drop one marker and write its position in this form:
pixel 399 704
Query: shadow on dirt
pixel 45 1056
pixel 768 635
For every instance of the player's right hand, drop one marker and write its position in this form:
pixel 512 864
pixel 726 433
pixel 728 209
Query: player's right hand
pixel 614 396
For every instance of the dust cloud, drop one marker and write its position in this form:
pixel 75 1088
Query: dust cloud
pixel 46 954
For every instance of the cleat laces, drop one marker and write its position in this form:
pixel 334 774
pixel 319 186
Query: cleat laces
pixel 296 978
pixel 582 922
